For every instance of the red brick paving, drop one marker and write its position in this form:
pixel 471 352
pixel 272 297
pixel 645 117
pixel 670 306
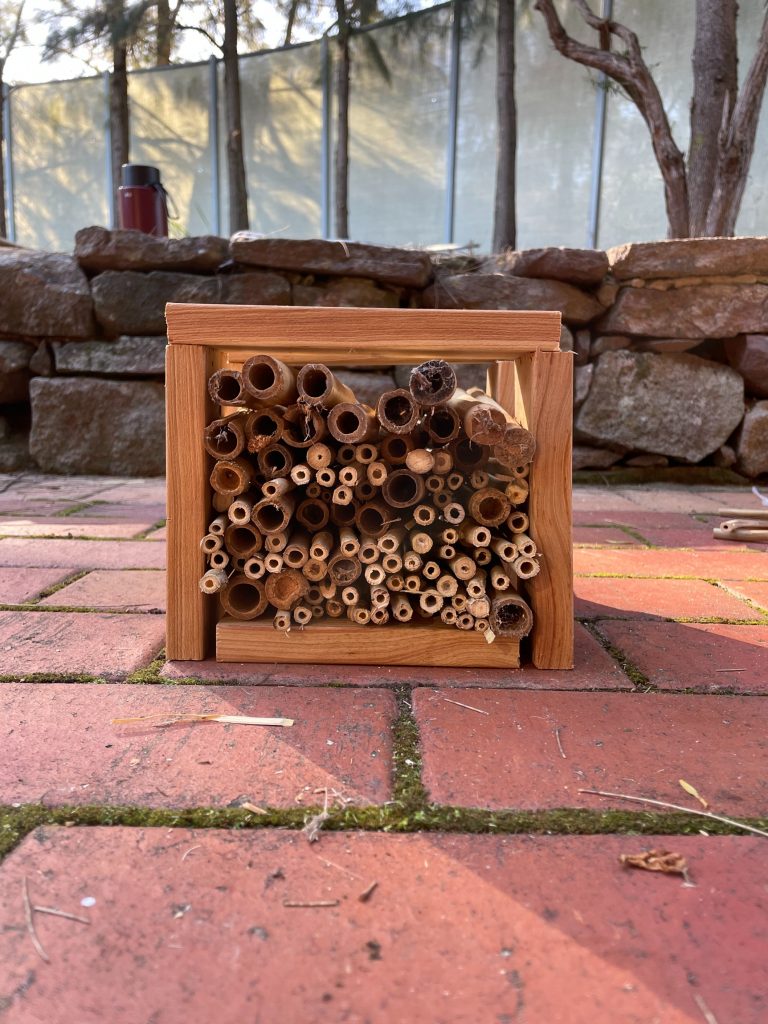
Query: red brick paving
pixel 607 535
pixel 116 512
pixel 632 743
pixel 61 748
pixel 656 598
pixel 82 554
pixel 66 527
pixel 753 591
pixel 191 926
pixel 122 589
pixel 68 643
pixel 719 565
pixel 20 585
pixel 706 657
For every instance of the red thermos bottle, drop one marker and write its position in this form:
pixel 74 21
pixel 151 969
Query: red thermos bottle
pixel 142 200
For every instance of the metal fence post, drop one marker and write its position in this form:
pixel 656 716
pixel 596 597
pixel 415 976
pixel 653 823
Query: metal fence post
pixel 8 163
pixel 213 141
pixel 453 123
pixel 108 138
pixel 325 141
pixel 598 147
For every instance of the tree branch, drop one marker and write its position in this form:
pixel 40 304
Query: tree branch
pixel 203 32
pixel 16 32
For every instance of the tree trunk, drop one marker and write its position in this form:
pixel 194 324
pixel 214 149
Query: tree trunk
pixel 238 193
pixel 715 86
pixel 504 220
pixel 3 222
pixel 119 123
pixel 164 32
pixel 341 194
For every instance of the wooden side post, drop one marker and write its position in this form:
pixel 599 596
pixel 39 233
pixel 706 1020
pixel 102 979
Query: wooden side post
pixel 188 409
pixel 538 388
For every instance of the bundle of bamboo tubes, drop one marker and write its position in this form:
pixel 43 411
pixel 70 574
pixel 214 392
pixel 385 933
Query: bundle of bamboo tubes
pixel 324 506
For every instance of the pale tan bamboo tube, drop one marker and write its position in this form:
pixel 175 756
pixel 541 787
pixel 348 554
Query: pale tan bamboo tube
pixel 449 535
pixel 380 597
pixel 431 601
pixel 402 489
pixel 219 525
pixel 373 518
pixel 263 427
pixel 350 596
pixel 276 487
pixel 254 568
pixel 268 381
pixel 301 475
pixel 365 491
pixel 273 563
pixel 240 511
pixel 482 625
pixel 432 382
pixel 392 563
pixel 296 551
pixel 374 574
pixel 360 616
pixel 318 386
pixel 225 438
pixel 394 448
pixel 327 588
pixel 434 483
pixel 454 481
pixel 465 621
pixel 394 582
pixel 343 570
pixel 353 423
pixel 517 521
pixel 446 551
pixel 499 579
pixel 525 568
pixel 478 479
pixel 448 616
pixel 275 460
pixel 349 542
pixel 517 492
pixel 302 615
pixel 505 549
pixel 321 545
pixel 463 567
pixel 226 387
pixel 369 550
pixel 303 427
pixel 319 456
pixel 510 616
pixel 379 616
pixel 243 598
pixel 480 607
pixel 313 514
pixel 476 586
pixel 443 425
pixel 366 453
pixel 286 588
pixel 459 602
pixel 753 534
pixel 412 583
pixel 243 539
pixel 419 460
pixel 454 513
pixel 401 608
pixel 315 569
pixel 482 556
pixel 443 461
pixel 431 571
pixel 522 471
pixel 525 545
pixel 276 541
pixel 376 473
pixel 468 456
pixel 272 515
pixel 392 540
pixel 212 581
pixel 349 475
pixel 412 561
pixel 489 507
pixel 210 543
pixel 398 413
pixel 475 534
pixel 282 621
pixel 447 586
pixel 424 515
pixel 232 477
pixel 421 542
pixel 342 495
pixel 333 608
pixel 218 560
pixel 326 476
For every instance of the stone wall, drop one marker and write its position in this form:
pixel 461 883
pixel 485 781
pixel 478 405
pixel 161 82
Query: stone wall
pixel 670 339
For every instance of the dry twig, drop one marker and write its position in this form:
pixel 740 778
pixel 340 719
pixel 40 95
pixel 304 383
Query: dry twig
pixel 61 913
pixel 559 744
pixel 310 903
pixel 467 706
pixel 679 807
pixel 31 924
pixel 159 720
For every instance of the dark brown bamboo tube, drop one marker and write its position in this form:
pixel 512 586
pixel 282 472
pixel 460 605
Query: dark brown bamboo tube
pixel 379 616
pixel 380 597
pixel 321 545
pixel 273 563
pixel 421 542
pixel 218 560
pixel 412 561
pixel 432 382
pixel 263 427
pixel 343 515
pixel 333 608
pixel 463 567
pixel 499 579
pixel 349 475
pixel 353 423
pixel 254 568
pixel 525 568
pixel 454 513
pixel 296 552
pixel 482 556
pixel 275 460
pixel 318 386
pixel 468 456
pixel 395 583
pixel 376 473
pixel 366 453
pixel 434 483
pixel 232 477
pixel 219 525
pixel 401 608
pixel 303 426
pixel 369 550
pixel 392 563
pixel 412 584
pixel 345 454
pixel 448 616
pixel 431 601
pixel 286 588
pixel 394 448
pixel 315 569
pixel 443 461
pixel 240 511
pixel 314 596
pixel 276 541
pixel 243 598
pixel 211 542
pixel 344 569
pixel 517 521
pixel 489 507
pixel 446 551
pixel 342 495
pixel 225 438
pixel 317 611
pixel 397 412
pixel 474 534
pixel 313 514
pixel 326 476
pixel 441 499
pixel 431 571
pixel 282 621
pixel 402 489
pixel 272 515
pixel 213 581
pixel 419 460
pixel 447 585
pixel 510 616
pixel 374 574
pixel 365 491
pixel 350 596
pixel 314 490
pixel 226 387
pixel 517 492
pixel 243 539
pixel 465 621
pixel 268 381
pixel 516 447
pixel 319 455
pixel 373 518
pixel 443 425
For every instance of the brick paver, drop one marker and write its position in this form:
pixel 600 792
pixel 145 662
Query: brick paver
pixel 606 535
pixel 61 747
pixel 68 526
pixel 82 554
pixel 632 743
pixel 719 565
pixel 20 585
pixel 706 657
pixel 121 589
pixel 67 643
pixel 657 598
pixel 192 926
pixel 757 592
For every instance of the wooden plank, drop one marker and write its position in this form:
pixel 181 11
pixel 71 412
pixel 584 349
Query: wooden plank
pixel 188 410
pixel 538 390
pixel 340 642
pixel 370 337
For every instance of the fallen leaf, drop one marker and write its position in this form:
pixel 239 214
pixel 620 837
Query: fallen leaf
pixel 665 861
pixel 692 791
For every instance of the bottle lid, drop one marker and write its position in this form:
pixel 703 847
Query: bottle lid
pixel 135 175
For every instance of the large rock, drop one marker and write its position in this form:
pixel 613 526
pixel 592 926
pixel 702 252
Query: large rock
pixel 690 257
pixel 503 291
pixel 98 248
pixel 124 357
pixel 748 355
pixel 111 427
pixel 702 311
pixel 582 381
pixel 346 291
pixel 14 370
pixel 132 303
pixel 752 442
pixel 408 267
pixel 44 294
pixel 677 405
pixel 576 266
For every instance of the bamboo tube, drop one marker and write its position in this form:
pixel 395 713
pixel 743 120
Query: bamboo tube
pixel 441 499
pixel 348 475
pixel 345 454
pixel 268 381
pixel 463 567
pixel 313 514
pixel 434 483
pixel 380 597
pixel 218 560
pixel 394 582
pixel 476 586
pixel 333 608
pixel 379 616
pixel 525 568
pixel 276 541
pixel 313 490
pixel 412 583
pixel 317 611
pixel 353 423
pixel 360 616
pixel 753 535
pixel 254 568
pixel 282 621
pixel 448 616
pixel 263 427
pixel 459 602
pixel 421 542
pixel 431 571
pixel 212 581
pixel 276 487
pixel 319 455
pixel 343 515
pixel 369 550
pixel 431 601
pixel 243 598
pixel 302 615
pixel 478 479
pixel 392 563
pixel 465 621
pixel 482 556
pixel 238 563
pixel 365 491
pixel 443 425
pixel 376 473
pixel 483 419
pixel 482 625
pixel 343 570
pixel 432 382
pixel 366 453
pixel 392 540
pixel 350 596
pixel 327 588
pixel 729 525
pixel 454 513
pixel 318 386
pixel 419 460
pixel 210 543
pixel 449 535
pixel 272 515
pixel 474 534
pixel 424 515
pixel 489 507
pixel 446 551
pixel 468 456
pixel 447 586
pixel 499 579
pixel 240 511
pixel 374 574
pixel 505 549
pixel 321 545
pixel 443 461
pixel 226 387
pixel 218 525
pixel 296 551
pixel 412 561
pixel 303 426
pixel 243 539
pixel 221 502
pixel 286 588
pixel 517 492
pixel 273 563
pixel 315 569
pixel 517 522
pixel 342 495
pixel 275 460
pixel 314 597
pixel 326 476
pixel 394 448
pixel 373 518
pixel 454 481
pixel 225 438
pixel 401 608
pixel 744 513
pixel 397 412
pixel 525 545
pixel 301 475
pixel 232 477
pixel 402 488
pixel 511 616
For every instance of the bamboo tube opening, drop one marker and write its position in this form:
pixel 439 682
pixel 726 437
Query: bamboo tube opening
pixel 401 608
pixel 352 423
pixel 226 387
pixel 268 381
pixel 346 454
pixel 448 616
pixel 459 602
pixel 478 479
pixel 505 549
pixel 334 608
pixel 421 542
pixel 465 621
pixel 432 382
pixel 231 477
pixel 243 598
pixel 313 514
pixel 275 460
pixel 443 425
pixel 475 534
pixel 317 611
pixel 365 491
pixel 482 555
pixel 392 563
pixel 348 475
pixel 282 621
pixel 219 560
pixel 342 495
pixel 525 568
pixel 476 586
pixel 394 449
pixel 499 579
pixel 225 439
pixel 412 584
pixel 525 545
pixel 286 588
pixel 446 551
pixel 380 597
pixel 397 411
pixel 240 511
pixel 517 492
pixel 443 462
pixel 480 607
pixel 302 615
pixel 392 540
pixel 366 454
pixel 374 574
pixel 273 514
pixel 454 481
pixel 489 507
pixel 431 602
pixel 243 539
pixel 424 515
pixel 395 582
pixel 517 522
pixel 254 568
pixel 303 427
pixel 482 625
pixel 301 475
pixel 296 552
pixel 276 487
pixel 326 477
pixel 412 561
pixel 447 586
pixel 463 567
pixel 276 541
pixel 454 513
pixel 343 514
pixel 511 616
pixel 369 551
pixel 210 543
pixel 314 490
pixel 379 616
pixel 317 385
pixel 327 588
pixel 315 569
pixel 321 545
pixel 431 571
pixel 442 499
pixel 468 455
pixel 434 483
pixel 212 581
pixel 360 616
pixel 263 427
pixel 343 569
pixel 273 563
pixel 402 488
pixel 350 596
pixel 319 455
pixel 420 460
pixel 372 519
pixel 449 535
pixel 377 473
pixel 218 526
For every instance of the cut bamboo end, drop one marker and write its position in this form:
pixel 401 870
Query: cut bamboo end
pixel 525 545
pixel 447 586
pixel 275 460
pixel 392 563
pixel 369 550
pixel 243 539
pixel 482 556
pixel 210 543
pixel 432 382
pixel 424 515
pixel 240 511
pixel 394 449
pixel 525 568
pixel 446 552
pixel 402 488
pixel 273 563
pixel 225 438
pixel 315 569
pixel 397 412
pixel 517 492
pixel 219 525
pixel 374 518
pixel 353 423
pixel 478 479
pixel 219 560
pixel 392 540
pixel 431 571
pixel 449 535
pixel 277 487
pixel 334 609
pixel 314 596
pixel 344 569
pixel 342 495
pixel 394 582
pixel 412 561
pixel 243 598
pixel 232 477
pixel 468 456
pixel 301 475
pixel 476 586
pixel 273 515
pixel 365 491
pixel 454 480
pixel 412 583
pixel 374 574
pixel 282 621
pixel 254 568
pixel 349 476
pixel 285 589
pixel 499 578
pixel 263 427
pixel 431 601
pixel 321 545
pixel 465 621
pixel 350 596
pixel 517 522
pixel 366 453
pixel 489 507
pixel 376 473
pixel 448 615
pixel 443 426
pixel 475 534
pixel 276 541
pixel 296 552
pixel 441 500
pixel 303 426
pixel 313 514
pixel 419 460
pixel 505 549
pixel 380 596
pixel 319 386
pixel 454 513
pixel 480 607
pixel 319 456
pixel 226 387
pixel 268 381
pixel 421 542
pixel 343 515
pixel 434 483
pixel 213 581
pixel 401 608
pixel 463 567
pixel 380 616
pixel 511 616
pixel 302 615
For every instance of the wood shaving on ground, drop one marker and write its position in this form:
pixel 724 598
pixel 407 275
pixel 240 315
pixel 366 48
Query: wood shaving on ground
pixel 467 706
pixel 692 791
pixel 310 903
pixel 253 808
pixel 366 894
pixel 160 720
pixel 665 861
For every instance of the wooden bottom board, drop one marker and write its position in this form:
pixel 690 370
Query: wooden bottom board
pixel 340 642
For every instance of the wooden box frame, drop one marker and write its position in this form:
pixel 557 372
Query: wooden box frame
pixel 529 376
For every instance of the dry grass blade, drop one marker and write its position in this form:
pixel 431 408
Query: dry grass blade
pixel 678 807
pixel 310 903
pixel 559 743
pixel 467 706
pixel 314 826
pixel 160 720
pixel 707 1014
pixel 692 791
pixel 61 913
pixel 30 922
pixel 366 894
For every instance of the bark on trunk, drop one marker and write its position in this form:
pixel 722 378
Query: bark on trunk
pixel 164 32
pixel 3 222
pixel 238 194
pixel 504 220
pixel 118 116
pixel 715 86
pixel 342 124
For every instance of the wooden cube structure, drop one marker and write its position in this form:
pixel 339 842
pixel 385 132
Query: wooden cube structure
pixel 529 376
